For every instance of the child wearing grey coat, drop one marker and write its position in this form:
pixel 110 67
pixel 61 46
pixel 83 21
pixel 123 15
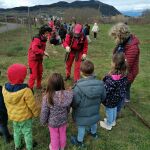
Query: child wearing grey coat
pixel 88 93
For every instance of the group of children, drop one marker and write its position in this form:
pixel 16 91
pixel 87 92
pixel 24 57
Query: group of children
pixel 59 31
pixel 85 98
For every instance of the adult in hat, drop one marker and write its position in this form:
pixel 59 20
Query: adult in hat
pixel 76 46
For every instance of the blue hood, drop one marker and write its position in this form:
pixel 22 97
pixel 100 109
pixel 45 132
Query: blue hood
pixel 14 88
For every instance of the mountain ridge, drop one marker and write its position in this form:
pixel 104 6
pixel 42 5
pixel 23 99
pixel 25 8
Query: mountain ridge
pixel 105 9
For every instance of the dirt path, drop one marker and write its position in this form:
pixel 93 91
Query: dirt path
pixel 9 26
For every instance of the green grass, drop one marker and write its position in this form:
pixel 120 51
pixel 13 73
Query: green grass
pixel 130 133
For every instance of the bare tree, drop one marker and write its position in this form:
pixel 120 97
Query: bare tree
pixel 82 15
pixel 146 13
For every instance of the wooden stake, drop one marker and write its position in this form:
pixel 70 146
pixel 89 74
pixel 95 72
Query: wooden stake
pixel 138 115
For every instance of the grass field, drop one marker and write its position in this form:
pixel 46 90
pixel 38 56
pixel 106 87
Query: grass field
pixel 130 133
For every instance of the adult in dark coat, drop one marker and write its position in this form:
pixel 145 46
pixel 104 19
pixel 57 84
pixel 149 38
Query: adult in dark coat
pixel 62 33
pixel 87 32
pixel 4 119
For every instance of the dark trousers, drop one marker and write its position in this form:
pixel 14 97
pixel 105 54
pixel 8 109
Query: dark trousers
pixel 128 91
pixel 4 131
pixel 95 35
pixel 121 103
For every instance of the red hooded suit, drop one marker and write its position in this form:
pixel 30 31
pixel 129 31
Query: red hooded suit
pixel 79 46
pixel 35 59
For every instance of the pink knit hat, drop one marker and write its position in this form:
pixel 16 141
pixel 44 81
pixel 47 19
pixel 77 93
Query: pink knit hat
pixel 16 73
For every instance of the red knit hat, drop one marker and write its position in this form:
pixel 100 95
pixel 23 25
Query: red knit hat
pixel 16 73
pixel 77 28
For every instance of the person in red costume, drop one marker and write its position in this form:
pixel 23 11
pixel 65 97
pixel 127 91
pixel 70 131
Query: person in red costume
pixel 76 46
pixel 51 23
pixel 36 52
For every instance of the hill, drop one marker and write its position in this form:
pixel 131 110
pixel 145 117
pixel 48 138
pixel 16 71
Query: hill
pixel 56 8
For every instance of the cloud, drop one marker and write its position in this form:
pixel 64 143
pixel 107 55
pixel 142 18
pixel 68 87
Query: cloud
pixel 134 7
pixel 128 4
pixel 1 4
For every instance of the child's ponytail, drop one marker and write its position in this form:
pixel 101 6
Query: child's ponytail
pixel 119 64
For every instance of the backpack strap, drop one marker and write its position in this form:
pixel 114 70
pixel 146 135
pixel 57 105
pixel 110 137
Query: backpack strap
pixel 121 46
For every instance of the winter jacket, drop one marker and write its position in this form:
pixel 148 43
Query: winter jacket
pixel 80 44
pixel 115 90
pixel 51 23
pixel 86 31
pixel 88 93
pixel 20 102
pixel 3 110
pixel 95 28
pixel 62 33
pixel 56 115
pixel 132 53
pixel 36 49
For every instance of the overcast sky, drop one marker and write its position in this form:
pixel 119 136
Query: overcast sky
pixel 121 5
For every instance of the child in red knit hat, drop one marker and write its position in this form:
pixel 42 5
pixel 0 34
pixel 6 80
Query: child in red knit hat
pixel 20 104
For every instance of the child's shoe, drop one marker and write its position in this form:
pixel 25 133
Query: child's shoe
pixel 95 136
pixel 75 142
pixel 9 138
pixel 113 124
pixel 104 125
pixel 35 144
pixel 50 147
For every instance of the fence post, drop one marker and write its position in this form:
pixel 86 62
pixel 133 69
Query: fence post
pixel 29 23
